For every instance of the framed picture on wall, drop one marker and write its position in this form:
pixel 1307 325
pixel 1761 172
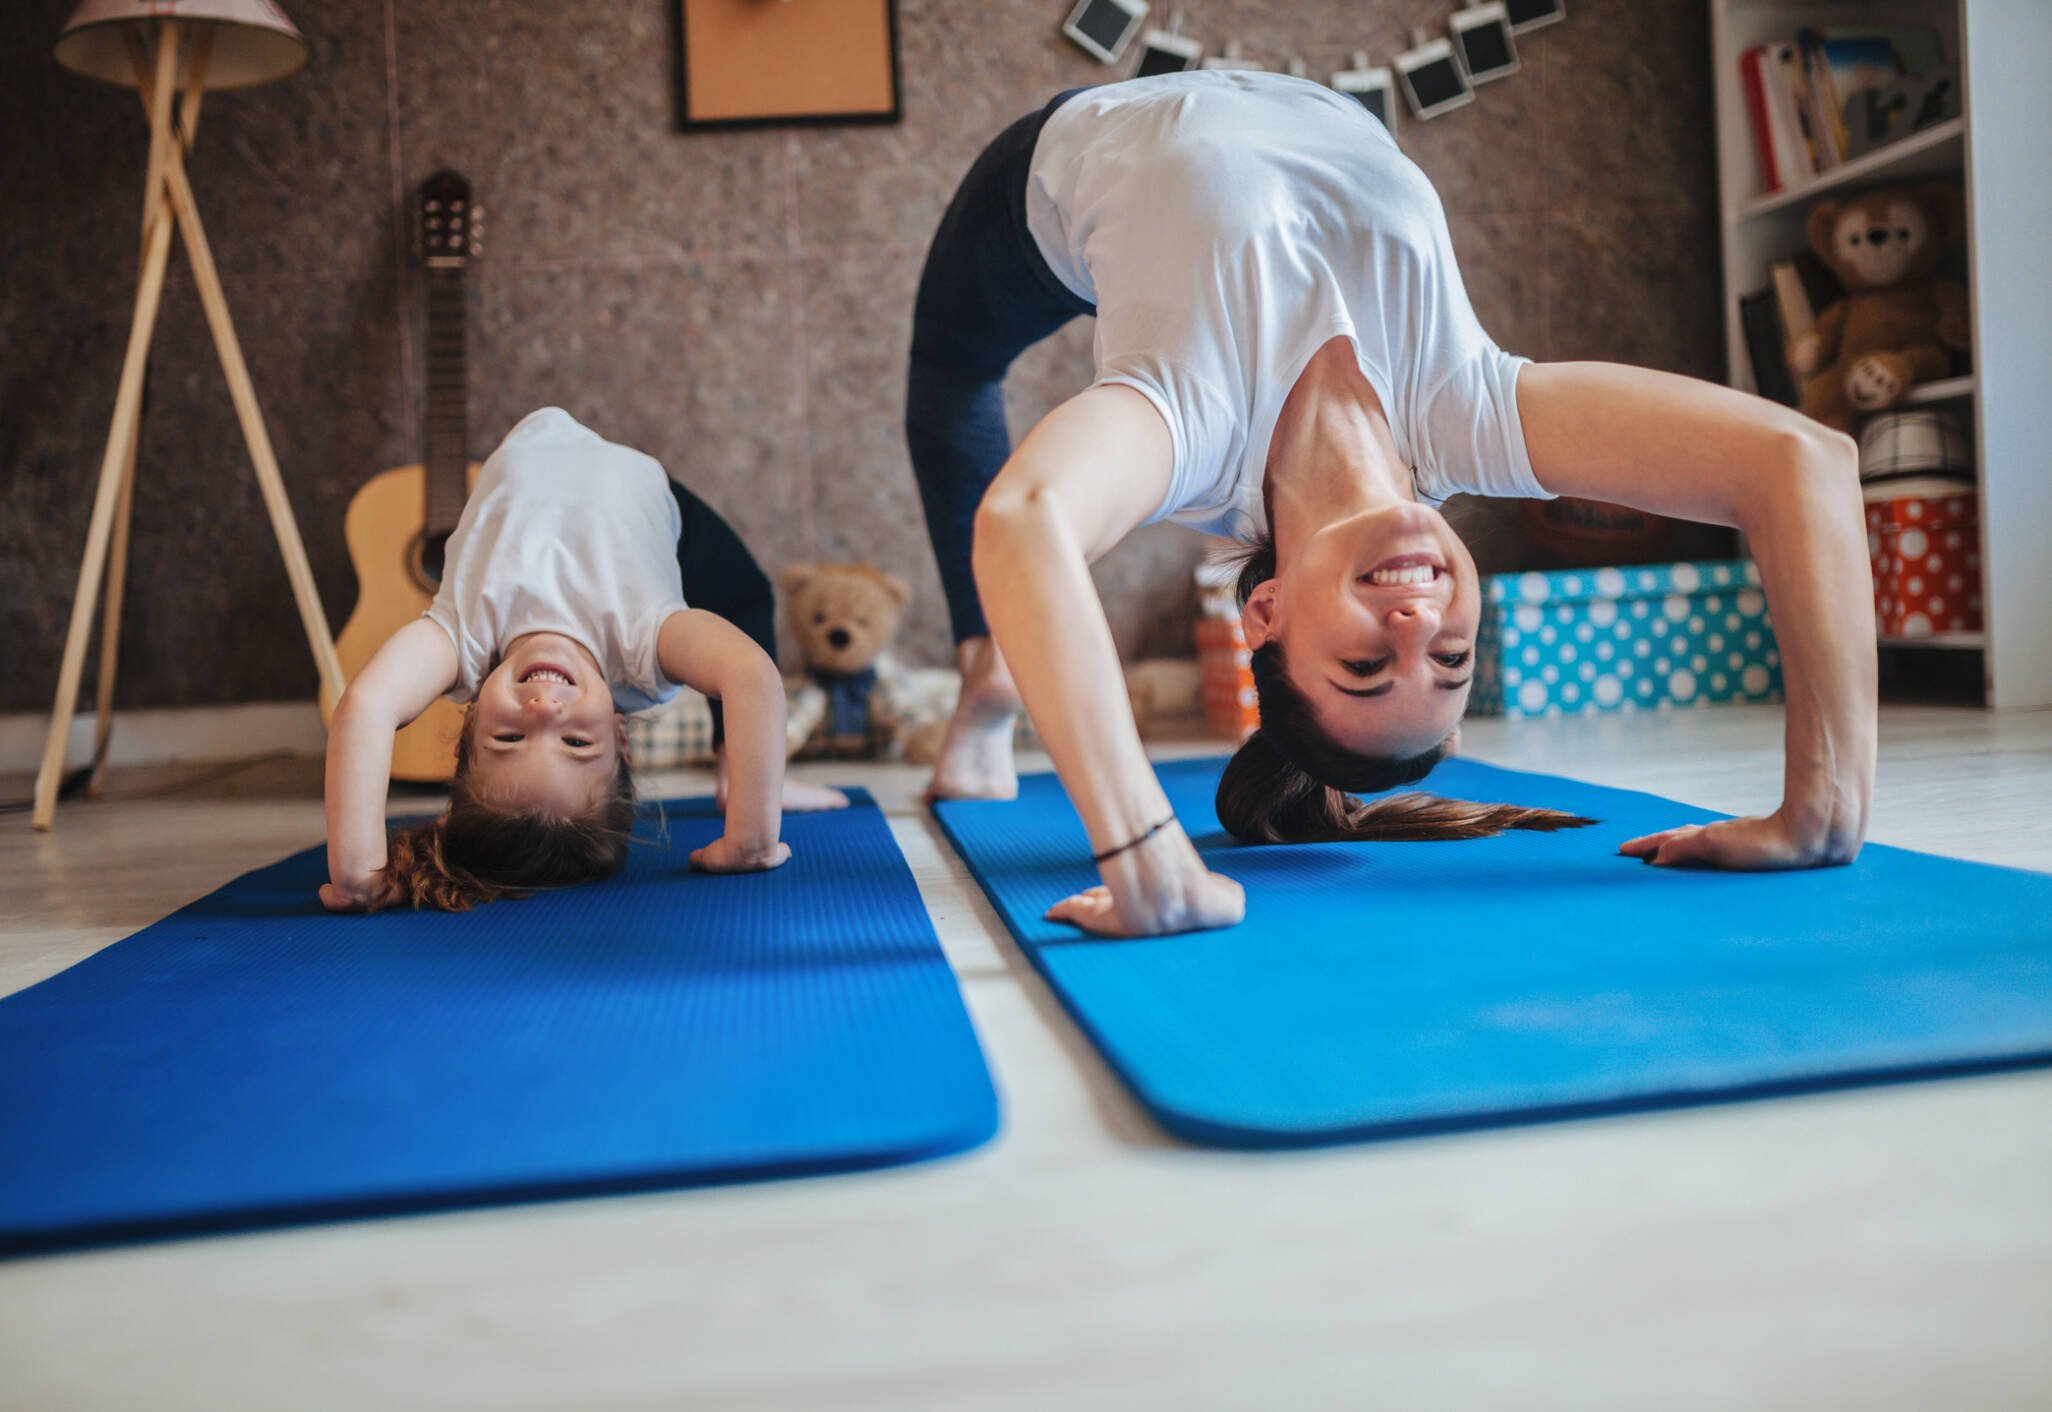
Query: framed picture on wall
pixel 747 63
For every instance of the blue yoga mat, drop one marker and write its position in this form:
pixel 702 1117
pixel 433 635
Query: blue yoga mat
pixel 1377 990
pixel 251 1060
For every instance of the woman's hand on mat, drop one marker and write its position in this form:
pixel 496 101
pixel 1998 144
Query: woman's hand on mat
pixel 726 854
pixel 1742 845
pixel 1184 898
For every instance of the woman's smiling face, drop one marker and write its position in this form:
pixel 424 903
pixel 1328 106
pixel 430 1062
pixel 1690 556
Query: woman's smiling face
pixel 1376 615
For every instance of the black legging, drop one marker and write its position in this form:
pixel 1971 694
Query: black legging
pixel 722 577
pixel 986 296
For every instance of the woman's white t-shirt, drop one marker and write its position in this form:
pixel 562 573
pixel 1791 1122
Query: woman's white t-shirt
pixel 1228 224
pixel 565 532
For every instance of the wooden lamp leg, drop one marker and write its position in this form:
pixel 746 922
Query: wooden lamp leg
pixel 312 616
pixel 120 436
pixel 156 206
pixel 110 620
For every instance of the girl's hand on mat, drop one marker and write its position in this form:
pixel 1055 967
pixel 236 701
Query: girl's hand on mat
pixel 725 855
pixel 1742 845
pixel 362 895
pixel 1194 901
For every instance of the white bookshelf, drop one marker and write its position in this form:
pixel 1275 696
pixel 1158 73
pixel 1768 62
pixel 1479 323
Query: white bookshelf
pixel 1999 146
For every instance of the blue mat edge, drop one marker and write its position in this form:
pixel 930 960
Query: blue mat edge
pixel 1234 1136
pixel 73 1239
pixel 945 1141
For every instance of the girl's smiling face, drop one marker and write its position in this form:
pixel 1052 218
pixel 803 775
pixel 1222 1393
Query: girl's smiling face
pixel 544 734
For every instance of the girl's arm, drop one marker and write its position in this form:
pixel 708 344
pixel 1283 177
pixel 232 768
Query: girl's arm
pixel 1675 446
pixel 1086 476
pixel 416 664
pixel 709 654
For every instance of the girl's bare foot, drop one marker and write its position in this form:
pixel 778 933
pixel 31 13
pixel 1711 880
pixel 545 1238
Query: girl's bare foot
pixel 803 798
pixel 799 797
pixel 976 754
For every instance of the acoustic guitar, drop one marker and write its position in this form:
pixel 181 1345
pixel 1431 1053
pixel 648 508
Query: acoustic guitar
pixel 399 523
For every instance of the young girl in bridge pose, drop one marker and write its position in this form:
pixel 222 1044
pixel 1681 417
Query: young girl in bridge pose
pixel 566 603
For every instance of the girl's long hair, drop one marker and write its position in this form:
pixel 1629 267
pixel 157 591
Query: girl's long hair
pixel 1291 782
pixel 480 851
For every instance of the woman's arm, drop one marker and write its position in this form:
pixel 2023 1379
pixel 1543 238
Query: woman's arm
pixel 707 653
pixel 1677 446
pixel 416 664
pixel 1086 476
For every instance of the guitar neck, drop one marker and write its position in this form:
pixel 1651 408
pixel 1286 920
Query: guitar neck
pixel 448 396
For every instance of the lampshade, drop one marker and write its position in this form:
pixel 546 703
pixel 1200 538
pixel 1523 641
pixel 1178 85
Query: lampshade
pixel 253 40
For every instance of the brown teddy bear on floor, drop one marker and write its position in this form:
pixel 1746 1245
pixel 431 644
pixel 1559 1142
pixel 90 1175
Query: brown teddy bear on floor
pixel 1897 321
pixel 851 700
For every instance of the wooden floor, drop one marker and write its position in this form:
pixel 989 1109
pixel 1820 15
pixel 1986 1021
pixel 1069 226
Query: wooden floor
pixel 1885 1248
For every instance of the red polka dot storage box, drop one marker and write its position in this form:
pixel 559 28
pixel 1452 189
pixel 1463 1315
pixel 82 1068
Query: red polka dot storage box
pixel 1927 564
pixel 1644 638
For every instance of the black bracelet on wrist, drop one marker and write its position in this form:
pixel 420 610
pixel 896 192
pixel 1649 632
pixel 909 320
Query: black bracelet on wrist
pixel 1132 842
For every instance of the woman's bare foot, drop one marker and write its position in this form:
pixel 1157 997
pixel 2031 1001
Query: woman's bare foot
pixel 799 797
pixel 976 754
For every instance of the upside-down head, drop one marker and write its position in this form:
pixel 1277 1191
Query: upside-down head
pixel 1363 658
pixel 543 794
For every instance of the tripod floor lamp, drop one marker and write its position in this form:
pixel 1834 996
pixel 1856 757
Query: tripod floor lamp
pixel 171 52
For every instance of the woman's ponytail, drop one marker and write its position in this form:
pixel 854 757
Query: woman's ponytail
pixel 1264 797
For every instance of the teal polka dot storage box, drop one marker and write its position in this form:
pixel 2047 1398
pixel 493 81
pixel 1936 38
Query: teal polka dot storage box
pixel 1649 637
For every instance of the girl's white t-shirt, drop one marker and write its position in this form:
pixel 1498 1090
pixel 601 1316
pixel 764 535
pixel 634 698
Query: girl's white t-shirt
pixel 1228 224
pixel 565 532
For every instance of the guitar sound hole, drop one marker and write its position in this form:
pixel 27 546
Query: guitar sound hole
pixel 430 553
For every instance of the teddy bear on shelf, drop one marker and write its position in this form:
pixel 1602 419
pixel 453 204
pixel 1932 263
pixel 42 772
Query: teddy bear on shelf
pixel 852 700
pixel 1897 322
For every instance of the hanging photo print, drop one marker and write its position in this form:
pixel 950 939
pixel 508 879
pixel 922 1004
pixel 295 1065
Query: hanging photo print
pixel 1105 27
pixel 1482 38
pixel 1432 78
pixel 1163 52
pixel 1534 14
pixel 1372 87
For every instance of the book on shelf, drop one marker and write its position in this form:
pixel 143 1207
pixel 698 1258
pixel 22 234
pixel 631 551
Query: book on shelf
pixel 1798 55
pixel 1760 324
pixel 1772 319
pixel 1803 285
pixel 1819 284
pixel 1785 124
pixel 1753 86
pixel 1798 314
pixel 1796 91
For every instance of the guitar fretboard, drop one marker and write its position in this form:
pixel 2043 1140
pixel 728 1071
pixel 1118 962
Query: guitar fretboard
pixel 448 413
